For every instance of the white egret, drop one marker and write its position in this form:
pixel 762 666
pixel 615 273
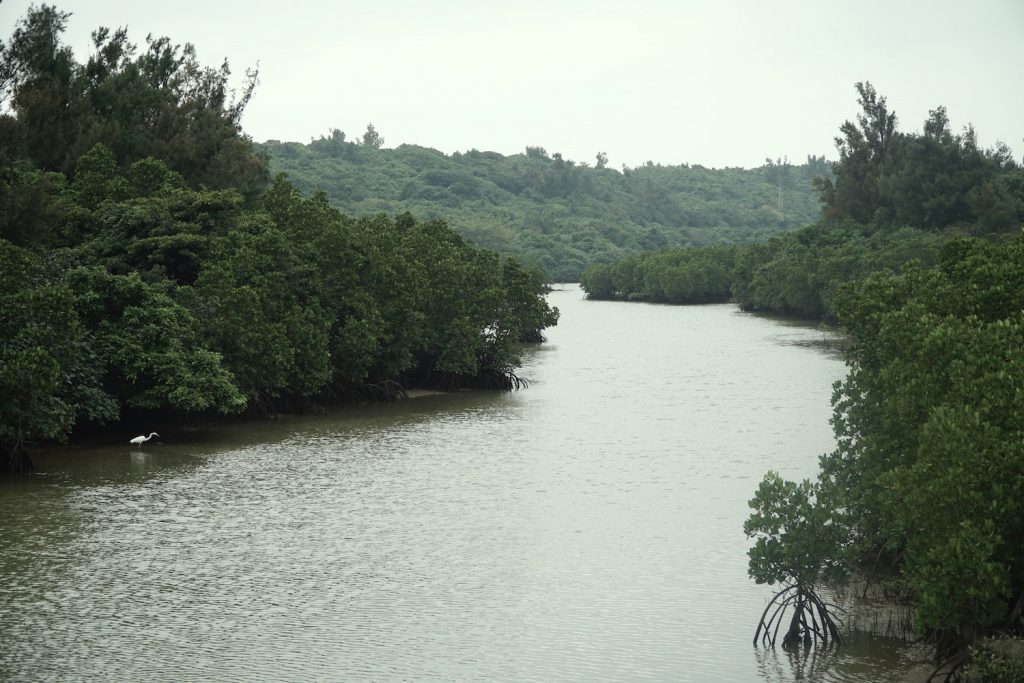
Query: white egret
pixel 139 440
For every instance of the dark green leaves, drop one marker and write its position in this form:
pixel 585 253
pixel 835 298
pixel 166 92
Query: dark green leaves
pixel 797 538
pixel 169 279
pixel 931 429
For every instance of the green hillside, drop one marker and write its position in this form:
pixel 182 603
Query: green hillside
pixel 553 212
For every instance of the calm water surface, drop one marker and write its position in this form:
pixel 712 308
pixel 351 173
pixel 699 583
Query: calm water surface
pixel 586 528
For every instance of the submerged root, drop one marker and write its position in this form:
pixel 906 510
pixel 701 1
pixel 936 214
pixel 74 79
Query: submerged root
pixel 515 382
pixel 17 460
pixel 488 380
pixel 385 391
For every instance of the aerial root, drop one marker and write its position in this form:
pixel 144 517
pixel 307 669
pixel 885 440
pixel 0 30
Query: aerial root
pixel 950 669
pixel 812 621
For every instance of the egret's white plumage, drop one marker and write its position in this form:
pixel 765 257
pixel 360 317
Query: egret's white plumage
pixel 139 440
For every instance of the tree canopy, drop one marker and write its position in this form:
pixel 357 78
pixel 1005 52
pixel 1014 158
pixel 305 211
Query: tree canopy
pixel 918 256
pixel 148 265
pixel 550 211
pixel 893 198
pixel 931 180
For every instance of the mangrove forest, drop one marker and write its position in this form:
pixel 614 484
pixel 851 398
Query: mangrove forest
pixel 150 265
pixel 919 257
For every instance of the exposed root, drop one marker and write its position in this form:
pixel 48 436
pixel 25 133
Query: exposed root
pixel 950 669
pixel 813 621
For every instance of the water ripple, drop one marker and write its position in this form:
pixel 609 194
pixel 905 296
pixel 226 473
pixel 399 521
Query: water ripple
pixel 587 528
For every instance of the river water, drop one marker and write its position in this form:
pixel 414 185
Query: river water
pixel 588 527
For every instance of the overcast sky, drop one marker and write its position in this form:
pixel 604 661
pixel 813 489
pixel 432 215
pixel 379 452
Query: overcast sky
pixel 715 82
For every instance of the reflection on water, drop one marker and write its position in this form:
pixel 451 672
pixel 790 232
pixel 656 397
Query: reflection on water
pixel 587 528
pixel 859 658
pixel 141 462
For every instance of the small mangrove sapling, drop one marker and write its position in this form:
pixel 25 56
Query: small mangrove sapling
pixel 799 544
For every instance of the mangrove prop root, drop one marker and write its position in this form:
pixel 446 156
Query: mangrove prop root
pixel 811 620
pixel 950 669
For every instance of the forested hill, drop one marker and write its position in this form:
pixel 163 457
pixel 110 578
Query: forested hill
pixel 554 212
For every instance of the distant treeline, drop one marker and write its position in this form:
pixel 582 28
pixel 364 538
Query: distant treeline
pixel 893 198
pixel 553 212
pixel 793 274
pixel 148 267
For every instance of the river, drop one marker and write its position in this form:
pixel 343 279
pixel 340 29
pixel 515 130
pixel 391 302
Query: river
pixel 588 527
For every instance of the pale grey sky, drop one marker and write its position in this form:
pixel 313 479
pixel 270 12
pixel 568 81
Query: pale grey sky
pixel 714 82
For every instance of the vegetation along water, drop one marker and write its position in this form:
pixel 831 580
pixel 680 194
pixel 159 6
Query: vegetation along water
pixel 153 270
pixel 149 267
pixel 587 528
pixel 923 490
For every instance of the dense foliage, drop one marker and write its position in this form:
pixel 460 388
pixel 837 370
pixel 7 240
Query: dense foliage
pixel 893 198
pixel 927 481
pixel 926 484
pixel 148 267
pixel 930 465
pixel 797 273
pixel 553 212
pixel 931 180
